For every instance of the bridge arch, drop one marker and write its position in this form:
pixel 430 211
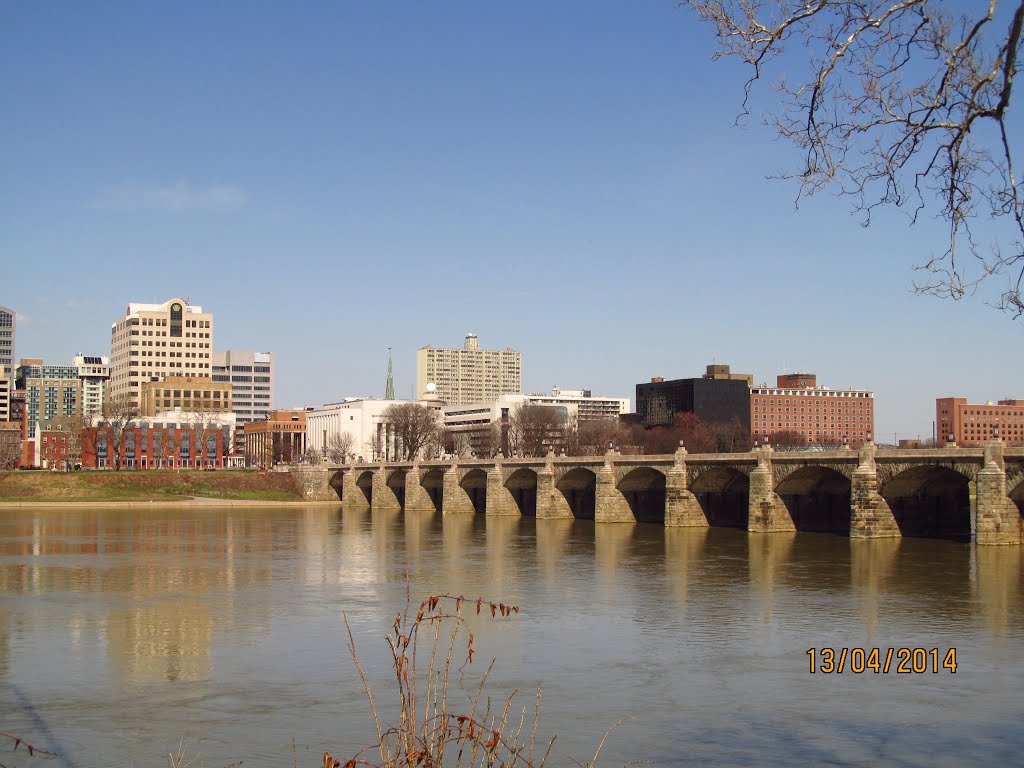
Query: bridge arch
pixel 474 483
pixel 432 482
pixel 930 500
pixel 644 491
pixel 394 481
pixel 817 498
pixel 579 489
pixel 337 484
pixel 522 486
pixel 723 494
pixel 364 485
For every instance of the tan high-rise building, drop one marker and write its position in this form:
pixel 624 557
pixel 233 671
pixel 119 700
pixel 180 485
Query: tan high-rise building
pixel 152 341
pixel 468 375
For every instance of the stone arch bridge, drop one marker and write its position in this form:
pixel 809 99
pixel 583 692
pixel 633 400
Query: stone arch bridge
pixel 959 493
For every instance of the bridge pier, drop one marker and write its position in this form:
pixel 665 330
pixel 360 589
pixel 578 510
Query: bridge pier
pixel 551 503
pixel 416 497
pixel 499 502
pixel 610 506
pixel 382 498
pixel 682 510
pixel 454 499
pixel 766 513
pixel 351 494
pixel 998 519
pixel 314 483
pixel 870 514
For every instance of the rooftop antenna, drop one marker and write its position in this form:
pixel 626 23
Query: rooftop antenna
pixel 389 390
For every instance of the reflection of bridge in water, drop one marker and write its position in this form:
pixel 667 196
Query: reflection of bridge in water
pixel 960 493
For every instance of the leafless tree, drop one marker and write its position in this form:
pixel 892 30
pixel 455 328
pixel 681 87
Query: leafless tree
pixel 899 103
pixel 417 428
pixel 374 446
pixel 204 423
pixel 119 411
pixel 730 436
pixel 158 449
pixel 533 429
pixel 787 438
pixel 482 440
pixel 340 446
pixel 592 438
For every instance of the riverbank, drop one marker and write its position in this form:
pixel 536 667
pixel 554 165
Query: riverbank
pixel 137 487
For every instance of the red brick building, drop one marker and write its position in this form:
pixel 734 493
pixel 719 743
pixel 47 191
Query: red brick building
pixel 281 439
pixel 153 447
pixel 974 425
pixel 10 445
pixel 58 444
pixel 798 407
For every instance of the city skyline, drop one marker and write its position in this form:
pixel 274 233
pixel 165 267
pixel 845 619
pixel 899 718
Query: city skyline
pixel 567 181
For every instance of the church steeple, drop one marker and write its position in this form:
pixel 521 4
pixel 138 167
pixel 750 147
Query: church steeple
pixel 389 391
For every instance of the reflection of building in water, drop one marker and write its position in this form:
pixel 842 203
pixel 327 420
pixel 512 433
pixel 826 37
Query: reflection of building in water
pixel 338 548
pixel 186 569
pixel 168 641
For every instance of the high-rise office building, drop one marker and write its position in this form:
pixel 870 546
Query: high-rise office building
pixel 251 376
pixel 152 341
pixel 8 322
pixel 468 375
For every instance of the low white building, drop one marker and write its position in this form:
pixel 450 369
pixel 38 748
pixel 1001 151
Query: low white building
pixel 584 405
pixel 575 406
pixel 372 438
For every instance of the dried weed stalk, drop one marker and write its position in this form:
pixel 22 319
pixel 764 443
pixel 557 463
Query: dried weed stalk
pixel 32 751
pixel 429 730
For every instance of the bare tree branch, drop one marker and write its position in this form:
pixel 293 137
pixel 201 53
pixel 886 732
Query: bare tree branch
pixel 901 103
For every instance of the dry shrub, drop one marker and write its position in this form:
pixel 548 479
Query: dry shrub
pixel 430 731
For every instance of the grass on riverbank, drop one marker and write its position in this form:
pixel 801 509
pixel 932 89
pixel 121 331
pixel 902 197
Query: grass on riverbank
pixel 147 485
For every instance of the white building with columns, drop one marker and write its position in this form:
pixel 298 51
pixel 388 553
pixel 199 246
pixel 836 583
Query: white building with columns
pixel 363 419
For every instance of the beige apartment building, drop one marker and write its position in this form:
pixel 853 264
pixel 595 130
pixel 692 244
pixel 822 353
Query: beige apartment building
pixel 468 375
pixel 191 394
pixel 154 341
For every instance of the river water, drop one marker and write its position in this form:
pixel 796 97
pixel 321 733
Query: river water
pixel 126 634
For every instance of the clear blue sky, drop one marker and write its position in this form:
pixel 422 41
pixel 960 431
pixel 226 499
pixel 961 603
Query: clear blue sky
pixel 331 179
